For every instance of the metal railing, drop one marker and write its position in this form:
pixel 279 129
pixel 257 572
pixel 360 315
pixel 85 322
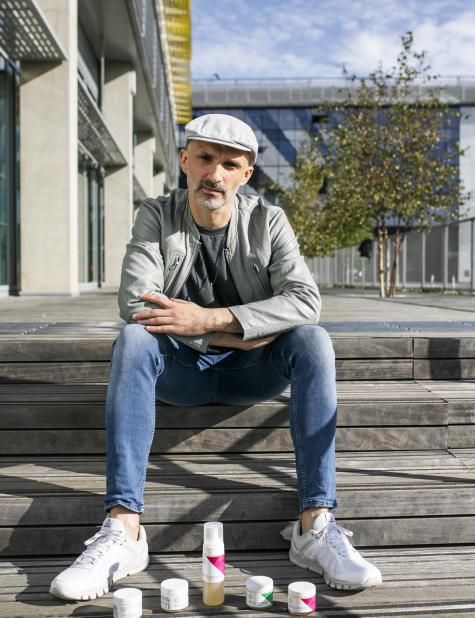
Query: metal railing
pixel 442 259
pixel 147 27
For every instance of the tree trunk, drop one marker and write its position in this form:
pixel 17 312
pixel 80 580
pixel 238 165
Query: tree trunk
pixel 381 260
pixel 395 263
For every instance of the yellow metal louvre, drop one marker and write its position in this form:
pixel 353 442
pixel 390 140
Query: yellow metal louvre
pixel 178 29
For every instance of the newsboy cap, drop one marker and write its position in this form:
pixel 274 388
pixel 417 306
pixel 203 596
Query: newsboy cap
pixel 223 129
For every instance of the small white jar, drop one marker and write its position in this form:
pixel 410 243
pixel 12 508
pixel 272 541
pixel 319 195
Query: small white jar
pixel 173 594
pixel 259 592
pixel 127 603
pixel 302 598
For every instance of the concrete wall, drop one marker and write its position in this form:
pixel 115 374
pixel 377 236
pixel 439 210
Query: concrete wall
pixel 49 164
pixel 119 91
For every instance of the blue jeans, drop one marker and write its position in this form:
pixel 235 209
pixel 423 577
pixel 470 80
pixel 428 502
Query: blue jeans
pixel 147 365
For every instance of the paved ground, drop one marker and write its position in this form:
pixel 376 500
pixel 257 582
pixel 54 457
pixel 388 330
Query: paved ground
pixel 340 308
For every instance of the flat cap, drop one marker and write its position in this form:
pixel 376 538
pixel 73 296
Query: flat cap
pixel 223 129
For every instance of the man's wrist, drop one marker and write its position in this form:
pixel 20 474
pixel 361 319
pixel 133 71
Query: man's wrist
pixel 221 319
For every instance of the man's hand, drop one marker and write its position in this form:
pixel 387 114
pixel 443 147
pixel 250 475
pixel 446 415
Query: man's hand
pixel 182 317
pixel 175 316
pixel 227 340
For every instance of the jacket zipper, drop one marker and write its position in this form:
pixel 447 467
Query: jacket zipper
pixel 174 265
pixel 257 271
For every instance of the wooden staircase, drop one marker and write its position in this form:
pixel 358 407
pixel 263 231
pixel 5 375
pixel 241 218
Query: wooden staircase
pixel 405 475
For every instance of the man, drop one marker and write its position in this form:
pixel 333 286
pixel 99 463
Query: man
pixel 221 308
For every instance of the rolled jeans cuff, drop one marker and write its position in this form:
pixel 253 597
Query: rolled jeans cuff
pixel 318 502
pixel 127 505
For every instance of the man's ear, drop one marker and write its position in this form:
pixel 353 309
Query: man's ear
pixel 247 176
pixel 183 160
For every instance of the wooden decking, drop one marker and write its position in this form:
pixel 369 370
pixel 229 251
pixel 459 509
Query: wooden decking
pixel 405 475
pixel 423 582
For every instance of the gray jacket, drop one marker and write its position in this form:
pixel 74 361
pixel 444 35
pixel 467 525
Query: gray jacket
pixel 276 286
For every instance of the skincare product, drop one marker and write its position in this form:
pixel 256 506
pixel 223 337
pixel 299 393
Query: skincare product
pixel 302 598
pixel 213 564
pixel 127 603
pixel 174 594
pixel 259 592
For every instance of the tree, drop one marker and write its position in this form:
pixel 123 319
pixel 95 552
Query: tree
pixel 318 232
pixel 386 163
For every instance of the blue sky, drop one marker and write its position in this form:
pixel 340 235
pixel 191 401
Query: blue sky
pixel 312 38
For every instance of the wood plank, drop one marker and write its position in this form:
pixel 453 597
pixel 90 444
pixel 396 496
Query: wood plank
pixel 444 369
pixel 267 414
pixel 90 441
pixel 428 581
pixel 266 535
pixel 74 372
pixel 372 347
pixel 79 372
pixel 444 347
pixel 45 349
pixel 461 436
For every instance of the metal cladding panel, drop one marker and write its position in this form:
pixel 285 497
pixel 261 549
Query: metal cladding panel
pixel 232 93
pixel 25 33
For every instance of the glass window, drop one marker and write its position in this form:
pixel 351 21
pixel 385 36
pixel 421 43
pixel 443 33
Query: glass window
pixel 434 256
pixel 413 258
pixel 90 222
pixel 3 182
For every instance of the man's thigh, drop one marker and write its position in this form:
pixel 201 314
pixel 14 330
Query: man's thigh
pixel 251 376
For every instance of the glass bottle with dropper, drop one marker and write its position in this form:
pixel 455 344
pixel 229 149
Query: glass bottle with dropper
pixel 213 563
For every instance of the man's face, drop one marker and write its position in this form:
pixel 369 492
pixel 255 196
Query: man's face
pixel 214 173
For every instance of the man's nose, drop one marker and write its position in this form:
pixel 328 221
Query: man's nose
pixel 215 173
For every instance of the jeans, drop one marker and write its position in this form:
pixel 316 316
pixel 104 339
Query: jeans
pixel 146 366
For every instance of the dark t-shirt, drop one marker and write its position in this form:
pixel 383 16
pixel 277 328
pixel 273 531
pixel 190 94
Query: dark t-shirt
pixel 211 266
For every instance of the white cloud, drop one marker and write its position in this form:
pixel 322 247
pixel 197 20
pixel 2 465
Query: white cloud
pixel 277 38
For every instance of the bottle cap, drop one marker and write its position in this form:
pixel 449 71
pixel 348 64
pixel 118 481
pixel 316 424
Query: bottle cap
pixel 259 583
pixel 174 586
pixel 127 602
pixel 302 589
pixel 126 596
pixel 213 532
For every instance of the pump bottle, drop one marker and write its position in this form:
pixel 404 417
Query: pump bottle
pixel 213 564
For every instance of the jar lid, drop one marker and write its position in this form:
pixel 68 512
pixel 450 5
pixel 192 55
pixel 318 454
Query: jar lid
pixel 259 583
pixel 174 586
pixel 125 596
pixel 303 589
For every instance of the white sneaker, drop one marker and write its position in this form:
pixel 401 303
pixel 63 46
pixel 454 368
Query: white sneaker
pixel 109 556
pixel 326 550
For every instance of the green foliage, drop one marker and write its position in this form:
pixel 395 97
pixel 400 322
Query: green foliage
pixel 318 232
pixel 384 162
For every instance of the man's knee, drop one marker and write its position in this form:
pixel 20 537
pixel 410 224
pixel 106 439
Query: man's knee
pixel 313 340
pixel 134 338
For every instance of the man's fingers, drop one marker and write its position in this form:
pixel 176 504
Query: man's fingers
pixel 151 313
pixel 155 298
pixel 158 319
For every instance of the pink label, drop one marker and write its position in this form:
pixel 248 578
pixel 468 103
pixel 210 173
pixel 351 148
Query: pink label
pixel 311 602
pixel 219 562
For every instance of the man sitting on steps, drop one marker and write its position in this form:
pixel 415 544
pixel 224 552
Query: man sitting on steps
pixel 221 308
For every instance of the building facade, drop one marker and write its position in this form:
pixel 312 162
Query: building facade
pixel 91 93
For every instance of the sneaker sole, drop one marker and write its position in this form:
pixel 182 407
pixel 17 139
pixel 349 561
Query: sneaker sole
pixel 312 566
pixel 97 592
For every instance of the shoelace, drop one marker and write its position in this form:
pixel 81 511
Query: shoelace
pixel 335 536
pixel 98 545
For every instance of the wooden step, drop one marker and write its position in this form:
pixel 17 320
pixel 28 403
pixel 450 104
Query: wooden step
pixel 44 354
pixel 50 505
pixel 417 581
pixel 53 419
